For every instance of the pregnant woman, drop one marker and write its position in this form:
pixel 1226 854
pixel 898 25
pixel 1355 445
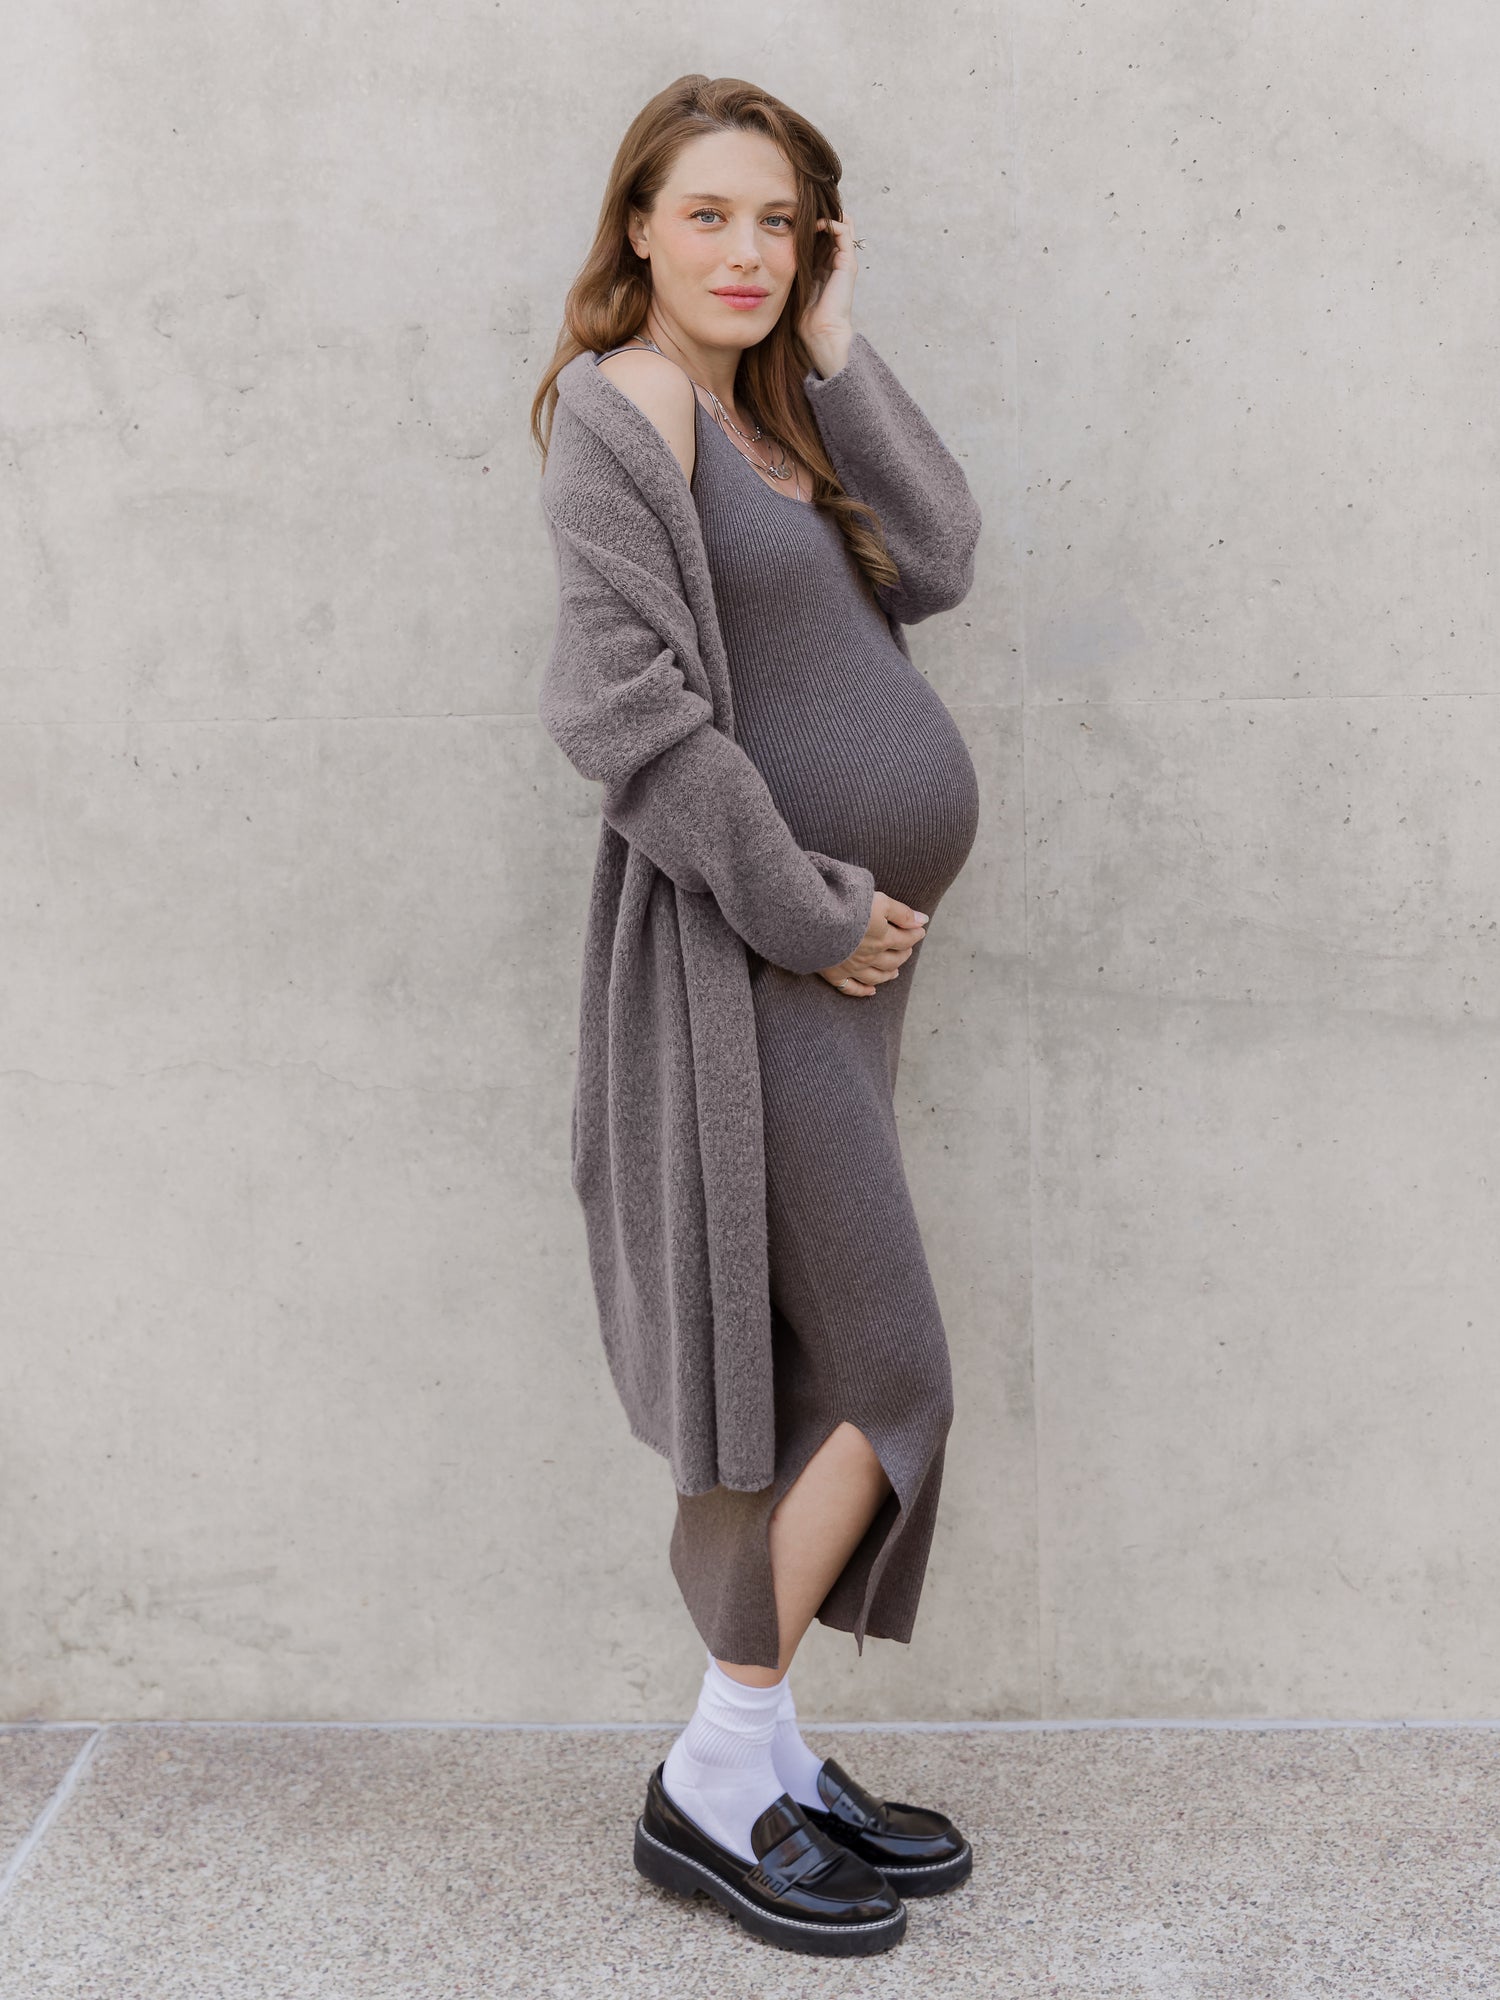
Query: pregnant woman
pixel 746 509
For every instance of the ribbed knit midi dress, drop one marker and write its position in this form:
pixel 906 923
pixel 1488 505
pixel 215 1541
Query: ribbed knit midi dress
pixel 864 762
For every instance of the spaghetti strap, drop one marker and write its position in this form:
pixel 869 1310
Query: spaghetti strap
pixel 631 347
pixel 650 346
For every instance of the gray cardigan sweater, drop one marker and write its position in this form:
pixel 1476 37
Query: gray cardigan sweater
pixel 694 863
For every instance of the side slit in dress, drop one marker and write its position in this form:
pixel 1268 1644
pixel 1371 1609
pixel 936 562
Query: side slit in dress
pixel 864 762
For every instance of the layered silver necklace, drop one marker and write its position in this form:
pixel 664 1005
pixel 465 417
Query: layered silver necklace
pixel 784 470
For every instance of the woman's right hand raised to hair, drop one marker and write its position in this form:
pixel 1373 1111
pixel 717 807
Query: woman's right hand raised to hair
pixel 895 929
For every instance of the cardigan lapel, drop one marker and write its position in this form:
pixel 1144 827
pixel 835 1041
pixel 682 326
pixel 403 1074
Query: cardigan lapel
pixel 625 430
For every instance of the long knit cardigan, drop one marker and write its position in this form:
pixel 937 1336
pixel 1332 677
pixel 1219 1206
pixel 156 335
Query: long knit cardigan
pixel 694 864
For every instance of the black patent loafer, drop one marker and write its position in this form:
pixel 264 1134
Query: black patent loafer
pixel 917 1849
pixel 803 1891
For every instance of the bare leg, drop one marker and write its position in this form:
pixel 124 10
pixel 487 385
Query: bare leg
pixel 817 1525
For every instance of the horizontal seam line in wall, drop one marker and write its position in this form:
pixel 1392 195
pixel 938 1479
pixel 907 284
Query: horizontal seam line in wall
pixel 955 702
pixel 237 721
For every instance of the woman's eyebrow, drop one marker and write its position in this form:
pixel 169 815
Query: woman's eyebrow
pixel 774 202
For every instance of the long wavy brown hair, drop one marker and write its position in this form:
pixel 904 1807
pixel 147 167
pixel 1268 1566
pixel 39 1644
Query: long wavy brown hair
pixel 607 301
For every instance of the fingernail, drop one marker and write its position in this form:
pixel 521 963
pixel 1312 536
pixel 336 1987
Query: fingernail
pixel 920 915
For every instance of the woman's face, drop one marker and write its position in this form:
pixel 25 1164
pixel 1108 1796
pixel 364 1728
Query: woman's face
pixel 723 220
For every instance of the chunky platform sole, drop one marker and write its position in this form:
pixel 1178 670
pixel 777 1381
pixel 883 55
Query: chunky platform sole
pixel 669 1869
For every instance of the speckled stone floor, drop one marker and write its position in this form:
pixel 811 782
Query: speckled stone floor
pixel 268 1862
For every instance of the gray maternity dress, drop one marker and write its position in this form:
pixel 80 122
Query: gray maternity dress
pixel 864 762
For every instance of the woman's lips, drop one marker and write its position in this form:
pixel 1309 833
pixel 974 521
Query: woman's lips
pixel 743 299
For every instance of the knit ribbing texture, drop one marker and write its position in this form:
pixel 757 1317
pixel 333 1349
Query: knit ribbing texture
pixel 864 762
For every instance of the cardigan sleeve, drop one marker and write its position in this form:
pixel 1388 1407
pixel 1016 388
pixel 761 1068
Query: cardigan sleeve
pixel 614 700
pixel 887 454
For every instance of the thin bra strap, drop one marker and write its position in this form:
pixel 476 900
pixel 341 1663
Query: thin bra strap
pixel 624 344
pixel 627 346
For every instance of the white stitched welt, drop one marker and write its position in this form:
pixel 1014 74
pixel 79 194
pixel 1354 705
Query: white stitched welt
pixel 919 1867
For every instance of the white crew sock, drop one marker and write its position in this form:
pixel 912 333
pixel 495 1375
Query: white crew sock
pixel 720 1771
pixel 796 1765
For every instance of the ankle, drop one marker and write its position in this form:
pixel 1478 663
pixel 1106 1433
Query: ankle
pixel 721 1771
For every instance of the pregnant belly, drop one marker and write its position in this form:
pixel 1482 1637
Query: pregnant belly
pixel 889 784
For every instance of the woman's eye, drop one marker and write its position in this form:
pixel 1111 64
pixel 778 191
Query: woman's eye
pixel 770 218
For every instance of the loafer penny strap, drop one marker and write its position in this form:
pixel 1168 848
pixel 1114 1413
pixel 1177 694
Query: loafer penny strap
pixel 849 1801
pixel 803 1852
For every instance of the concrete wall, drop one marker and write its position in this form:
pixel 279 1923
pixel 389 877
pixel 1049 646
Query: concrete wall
pixel 304 1408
